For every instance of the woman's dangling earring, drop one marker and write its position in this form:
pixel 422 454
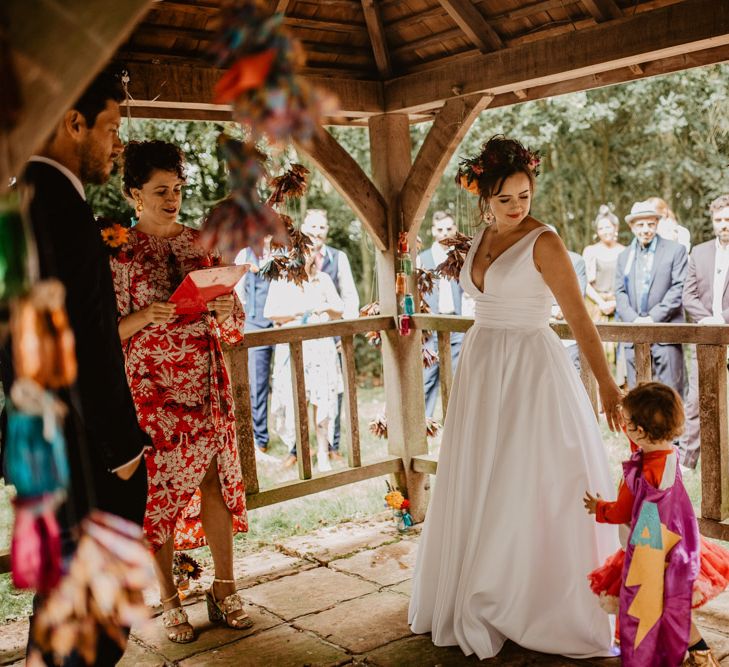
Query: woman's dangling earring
pixel 139 207
pixel 489 217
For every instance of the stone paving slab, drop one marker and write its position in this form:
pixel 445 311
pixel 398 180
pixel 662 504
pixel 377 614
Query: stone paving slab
pixel 386 565
pixel 362 624
pixel 718 641
pixel 13 640
pixel 209 635
pixel 404 587
pixel 280 647
pixel 327 544
pixel 715 614
pixel 307 592
pixel 419 651
pixel 137 655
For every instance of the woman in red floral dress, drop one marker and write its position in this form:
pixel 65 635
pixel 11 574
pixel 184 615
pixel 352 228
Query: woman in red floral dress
pixel 180 387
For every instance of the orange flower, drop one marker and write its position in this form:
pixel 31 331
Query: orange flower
pixel 472 187
pixel 115 236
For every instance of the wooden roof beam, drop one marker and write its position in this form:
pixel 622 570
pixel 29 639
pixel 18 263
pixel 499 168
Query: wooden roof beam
pixel 376 31
pixel 351 182
pixel 473 24
pixel 677 29
pixel 603 10
pixel 444 137
pixel 183 85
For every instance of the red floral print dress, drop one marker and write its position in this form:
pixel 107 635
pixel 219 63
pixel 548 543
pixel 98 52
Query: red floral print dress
pixel 180 387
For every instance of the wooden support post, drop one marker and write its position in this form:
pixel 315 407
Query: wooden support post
pixel 588 379
pixel 354 456
pixel 236 359
pixel 445 371
pixel 714 435
pixel 643 370
pixel 401 355
pixel 301 410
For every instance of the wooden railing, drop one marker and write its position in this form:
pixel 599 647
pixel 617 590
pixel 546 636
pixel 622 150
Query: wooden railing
pixel 356 471
pixel 711 350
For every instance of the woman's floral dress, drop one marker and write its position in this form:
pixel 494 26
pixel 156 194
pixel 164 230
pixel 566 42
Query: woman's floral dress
pixel 180 387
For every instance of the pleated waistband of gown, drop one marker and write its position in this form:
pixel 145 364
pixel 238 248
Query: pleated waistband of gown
pixel 498 312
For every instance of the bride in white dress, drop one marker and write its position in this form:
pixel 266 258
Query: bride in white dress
pixel 506 546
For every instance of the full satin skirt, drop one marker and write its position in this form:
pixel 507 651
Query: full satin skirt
pixel 507 544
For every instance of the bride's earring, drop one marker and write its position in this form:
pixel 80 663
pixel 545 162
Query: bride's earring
pixel 139 207
pixel 489 217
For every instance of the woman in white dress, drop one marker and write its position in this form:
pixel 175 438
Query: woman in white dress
pixel 506 546
pixel 288 304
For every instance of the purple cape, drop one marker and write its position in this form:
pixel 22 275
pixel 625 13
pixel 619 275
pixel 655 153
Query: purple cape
pixel 662 561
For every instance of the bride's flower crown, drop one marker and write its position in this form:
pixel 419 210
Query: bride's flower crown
pixel 497 154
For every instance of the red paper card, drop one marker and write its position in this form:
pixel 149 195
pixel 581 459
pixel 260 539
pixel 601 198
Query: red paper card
pixel 203 285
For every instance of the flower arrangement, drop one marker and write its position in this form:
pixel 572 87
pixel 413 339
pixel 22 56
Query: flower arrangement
pixel 497 153
pixel 400 507
pixel 113 234
pixel 185 568
pixel 451 267
pixel 373 337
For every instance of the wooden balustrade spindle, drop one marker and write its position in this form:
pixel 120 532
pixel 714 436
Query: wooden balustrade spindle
pixel 643 370
pixel 354 456
pixel 301 410
pixel 445 371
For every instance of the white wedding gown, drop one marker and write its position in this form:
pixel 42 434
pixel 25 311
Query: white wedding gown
pixel 507 544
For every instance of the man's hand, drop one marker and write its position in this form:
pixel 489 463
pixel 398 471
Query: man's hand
pixel 222 306
pixel 591 501
pixel 643 319
pixel 712 319
pixel 160 312
pixel 126 471
pixel 607 307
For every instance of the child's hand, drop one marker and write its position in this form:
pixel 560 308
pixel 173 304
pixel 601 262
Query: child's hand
pixel 591 502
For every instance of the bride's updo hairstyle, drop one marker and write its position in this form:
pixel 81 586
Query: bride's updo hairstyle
pixel 484 174
pixel 141 158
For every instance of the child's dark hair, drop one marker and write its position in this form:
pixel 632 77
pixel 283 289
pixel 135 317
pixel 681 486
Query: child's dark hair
pixel 657 409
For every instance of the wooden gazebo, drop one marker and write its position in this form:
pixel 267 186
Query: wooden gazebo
pixel 390 63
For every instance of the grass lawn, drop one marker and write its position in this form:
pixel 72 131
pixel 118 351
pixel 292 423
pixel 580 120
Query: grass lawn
pixel 303 515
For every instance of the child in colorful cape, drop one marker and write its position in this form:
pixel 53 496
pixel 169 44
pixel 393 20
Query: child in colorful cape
pixel 666 569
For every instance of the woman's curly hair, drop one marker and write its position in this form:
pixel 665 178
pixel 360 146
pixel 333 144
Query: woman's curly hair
pixel 142 158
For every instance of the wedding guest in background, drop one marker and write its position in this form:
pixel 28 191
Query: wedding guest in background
pixel 648 288
pixel 252 291
pixel 706 301
pixel 445 299
pixel 335 264
pixel 316 300
pixel 180 386
pixel 578 264
pixel 668 227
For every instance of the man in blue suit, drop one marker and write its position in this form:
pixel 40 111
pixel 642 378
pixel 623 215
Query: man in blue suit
pixel 252 291
pixel 445 299
pixel 648 288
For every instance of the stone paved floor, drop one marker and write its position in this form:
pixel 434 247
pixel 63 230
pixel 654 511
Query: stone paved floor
pixel 335 597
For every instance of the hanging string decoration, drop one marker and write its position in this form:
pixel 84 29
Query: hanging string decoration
pixel 242 219
pixel 261 83
pixel 102 592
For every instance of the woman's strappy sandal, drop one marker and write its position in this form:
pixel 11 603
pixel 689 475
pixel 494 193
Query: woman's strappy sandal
pixel 229 610
pixel 174 618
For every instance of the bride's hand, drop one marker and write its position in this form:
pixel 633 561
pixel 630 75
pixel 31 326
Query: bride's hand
pixel 611 398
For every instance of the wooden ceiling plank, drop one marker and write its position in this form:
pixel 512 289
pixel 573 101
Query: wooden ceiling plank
pixel 316 24
pixel 428 40
pixel 681 28
pixel 281 6
pixel 526 11
pixel 349 179
pixel 376 31
pixel 444 137
pixel 603 10
pixel 473 24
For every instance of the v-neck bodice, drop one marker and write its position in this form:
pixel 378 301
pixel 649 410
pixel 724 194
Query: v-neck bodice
pixel 514 294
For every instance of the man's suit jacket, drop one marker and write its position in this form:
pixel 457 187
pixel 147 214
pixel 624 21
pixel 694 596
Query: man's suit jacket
pixel 102 431
pixel 427 262
pixel 666 284
pixel 698 290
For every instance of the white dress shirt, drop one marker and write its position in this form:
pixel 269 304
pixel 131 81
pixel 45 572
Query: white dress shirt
pixel 445 291
pixel 721 265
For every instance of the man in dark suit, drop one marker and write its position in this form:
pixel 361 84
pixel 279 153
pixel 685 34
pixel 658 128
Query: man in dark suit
pixel 445 299
pixel 648 288
pixel 706 301
pixel 253 291
pixel 104 440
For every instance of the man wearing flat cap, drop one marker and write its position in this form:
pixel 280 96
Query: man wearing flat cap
pixel 648 288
